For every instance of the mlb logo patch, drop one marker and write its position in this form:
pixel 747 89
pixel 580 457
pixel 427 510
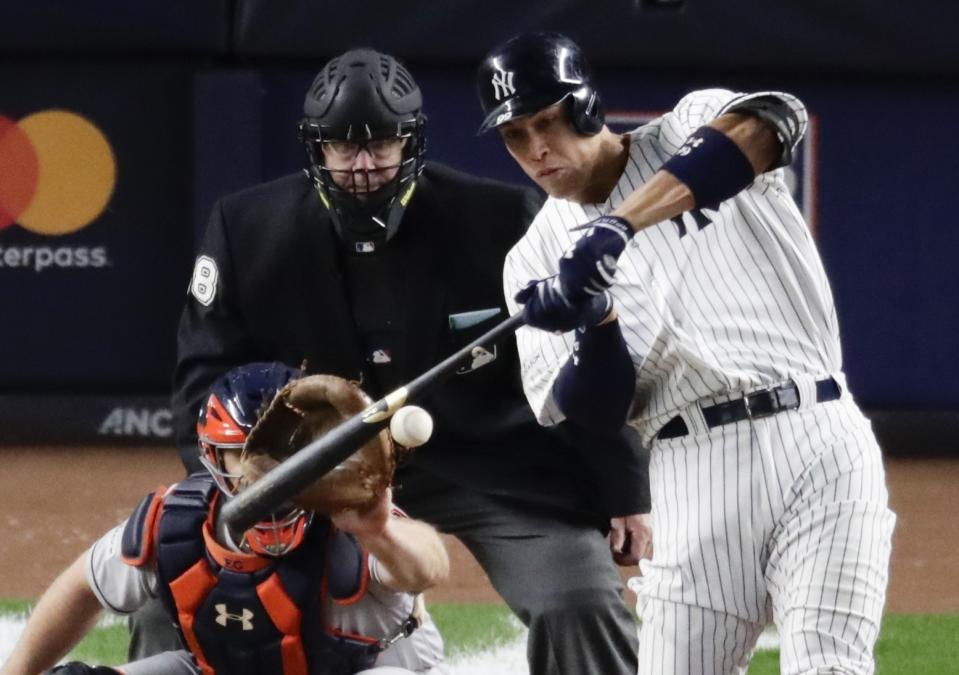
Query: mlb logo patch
pixel 381 356
pixel 364 247
pixel 467 326
pixel 479 357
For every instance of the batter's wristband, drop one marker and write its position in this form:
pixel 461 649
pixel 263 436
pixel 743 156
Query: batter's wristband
pixel 612 224
pixel 712 166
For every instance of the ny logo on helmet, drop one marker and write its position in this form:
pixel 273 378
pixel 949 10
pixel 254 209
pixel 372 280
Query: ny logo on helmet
pixel 503 84
pixel 222 616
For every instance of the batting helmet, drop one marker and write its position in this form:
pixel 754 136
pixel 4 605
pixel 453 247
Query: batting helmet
pixel 358 97
pixel 533 71
pixel 235 403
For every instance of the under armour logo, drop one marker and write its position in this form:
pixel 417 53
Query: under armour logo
pixel 222 616
pixel 689 146
pixel 503 84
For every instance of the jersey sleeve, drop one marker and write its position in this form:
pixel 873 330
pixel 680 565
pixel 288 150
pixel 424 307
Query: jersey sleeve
pixel 693 111
pixel 541 354
pixel 120 587
pixel 784 111
pixel 703 106
pixel 211 335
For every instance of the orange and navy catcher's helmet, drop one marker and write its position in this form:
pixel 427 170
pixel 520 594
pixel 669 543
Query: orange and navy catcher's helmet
pixel 233 407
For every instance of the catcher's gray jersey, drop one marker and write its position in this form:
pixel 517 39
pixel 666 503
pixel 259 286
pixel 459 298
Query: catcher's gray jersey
pixel 779 518
pixel 122 589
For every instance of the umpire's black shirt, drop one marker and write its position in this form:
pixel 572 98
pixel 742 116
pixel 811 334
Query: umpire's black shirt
pixel 284 288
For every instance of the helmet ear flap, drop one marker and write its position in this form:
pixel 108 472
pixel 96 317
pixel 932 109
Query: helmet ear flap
pixel 586 111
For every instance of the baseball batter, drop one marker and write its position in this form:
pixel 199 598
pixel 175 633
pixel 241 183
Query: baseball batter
pixel 769 497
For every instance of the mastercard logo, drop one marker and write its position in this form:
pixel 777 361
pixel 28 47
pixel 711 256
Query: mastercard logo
pixel 57 172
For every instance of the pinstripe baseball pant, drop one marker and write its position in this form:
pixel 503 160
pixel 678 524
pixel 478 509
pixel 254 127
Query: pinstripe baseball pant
pixel 781 519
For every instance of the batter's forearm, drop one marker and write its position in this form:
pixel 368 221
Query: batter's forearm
pixel 754 137
pixel 63 615
pixel 662 198
pixel 665 196
pixel 595 386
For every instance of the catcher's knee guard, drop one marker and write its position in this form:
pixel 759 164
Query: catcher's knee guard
pixel 78 668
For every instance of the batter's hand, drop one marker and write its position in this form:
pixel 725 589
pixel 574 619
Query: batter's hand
pixel 545 307
pixel 588 267
pixel 631 538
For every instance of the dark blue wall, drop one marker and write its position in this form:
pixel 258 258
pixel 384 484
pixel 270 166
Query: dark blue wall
pixel 201 98
pixel 882 176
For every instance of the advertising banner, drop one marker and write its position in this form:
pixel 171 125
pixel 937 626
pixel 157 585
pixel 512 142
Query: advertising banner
pixel 95 226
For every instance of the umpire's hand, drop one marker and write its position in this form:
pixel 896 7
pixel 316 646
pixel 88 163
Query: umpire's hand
pixel 546 307
pixel 631 538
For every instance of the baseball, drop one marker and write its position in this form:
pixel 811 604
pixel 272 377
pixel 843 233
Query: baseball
pixel 411 426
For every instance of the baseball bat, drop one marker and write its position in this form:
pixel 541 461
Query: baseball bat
pixel 292 475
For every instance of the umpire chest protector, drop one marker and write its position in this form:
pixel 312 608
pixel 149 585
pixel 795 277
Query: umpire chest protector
pixel 249 615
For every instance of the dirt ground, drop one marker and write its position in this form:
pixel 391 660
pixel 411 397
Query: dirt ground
pixel 55 501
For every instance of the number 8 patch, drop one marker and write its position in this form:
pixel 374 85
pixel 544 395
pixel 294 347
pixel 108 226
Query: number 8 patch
pixel 203 283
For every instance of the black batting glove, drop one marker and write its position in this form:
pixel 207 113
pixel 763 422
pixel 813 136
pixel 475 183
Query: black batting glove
pixel 588 267
pixel 547 308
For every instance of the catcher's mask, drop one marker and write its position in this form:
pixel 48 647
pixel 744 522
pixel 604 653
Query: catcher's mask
pixel 364 102
pixel 235 403
pixel 533 71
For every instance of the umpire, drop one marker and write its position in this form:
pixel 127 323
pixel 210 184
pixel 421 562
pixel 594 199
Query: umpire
pixel 374 265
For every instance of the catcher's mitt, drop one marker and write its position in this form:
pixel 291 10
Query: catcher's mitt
pixel 304 410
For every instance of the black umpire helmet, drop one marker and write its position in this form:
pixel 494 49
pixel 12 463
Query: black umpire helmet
pixel 361 96
pixel 532 71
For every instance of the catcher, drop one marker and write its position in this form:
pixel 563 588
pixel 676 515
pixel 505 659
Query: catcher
pixel 300 593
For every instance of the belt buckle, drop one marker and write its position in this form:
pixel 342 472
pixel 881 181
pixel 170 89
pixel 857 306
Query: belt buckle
pixel 781 397
pixel 756 415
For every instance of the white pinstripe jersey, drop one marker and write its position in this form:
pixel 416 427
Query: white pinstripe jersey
pixel 709 303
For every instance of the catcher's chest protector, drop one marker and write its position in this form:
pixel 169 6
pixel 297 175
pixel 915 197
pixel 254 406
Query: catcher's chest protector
pixel 246 615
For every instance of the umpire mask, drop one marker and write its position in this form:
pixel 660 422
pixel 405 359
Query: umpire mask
pixel 363 133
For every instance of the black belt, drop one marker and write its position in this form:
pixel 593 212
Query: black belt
pixel 762 403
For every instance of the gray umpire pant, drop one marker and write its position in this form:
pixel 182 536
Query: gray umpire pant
pixel 557 576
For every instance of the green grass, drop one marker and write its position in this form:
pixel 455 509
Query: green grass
pixel 913 644
pixel 766 661
pixel 106 645
pixel 472 627
pixel 8 607
pixel 466 628
pixel 925 644
pixel 917 644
